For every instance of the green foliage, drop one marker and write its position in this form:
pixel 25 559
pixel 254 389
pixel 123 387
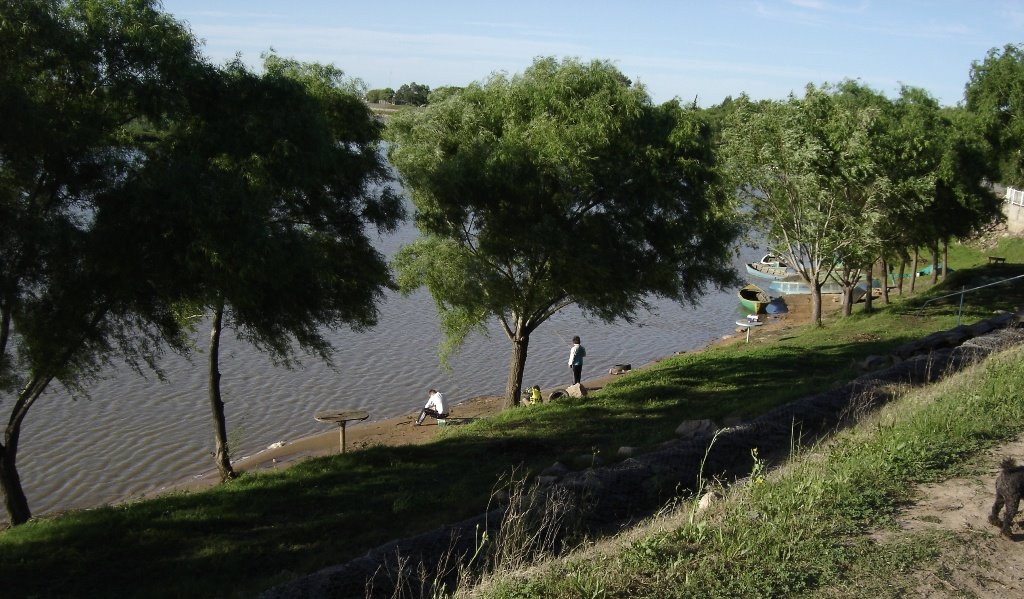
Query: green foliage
pixel 807 170
pixel 996 96
pixel 161 181
pixel 86 274
pixel 560 185
pixel 380 95
pixel 412 94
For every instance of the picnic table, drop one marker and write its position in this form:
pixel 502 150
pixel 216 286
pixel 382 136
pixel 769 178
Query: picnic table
pixel 341 418
pixel 996 260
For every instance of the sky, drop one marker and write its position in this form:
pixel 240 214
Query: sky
pixel 705 50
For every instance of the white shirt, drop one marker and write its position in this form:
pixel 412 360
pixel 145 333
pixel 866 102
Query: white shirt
pixel 576 349
pixel 438 403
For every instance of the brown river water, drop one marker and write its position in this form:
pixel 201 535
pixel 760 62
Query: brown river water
pixel 135 435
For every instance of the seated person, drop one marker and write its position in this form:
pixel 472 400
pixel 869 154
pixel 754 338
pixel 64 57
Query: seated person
pixel 436 406
pixel 535 396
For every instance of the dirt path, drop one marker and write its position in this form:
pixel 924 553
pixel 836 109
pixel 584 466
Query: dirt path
pixel 991 567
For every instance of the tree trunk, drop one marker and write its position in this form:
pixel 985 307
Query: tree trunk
pixel 220 427
pixel 913 271
pixel 887 274
pixel 816 303
pixel 935 262
pixel 869 296
pixel 15 501
pixel 945 258
pixel 516 366
pixel 903 271
pixel 848 299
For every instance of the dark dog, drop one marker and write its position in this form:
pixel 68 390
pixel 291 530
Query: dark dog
pixel 1009 489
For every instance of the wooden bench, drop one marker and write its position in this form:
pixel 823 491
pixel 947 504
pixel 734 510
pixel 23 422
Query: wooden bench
pixel 996 260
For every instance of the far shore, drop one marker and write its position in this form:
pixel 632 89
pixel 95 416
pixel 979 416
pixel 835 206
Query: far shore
pixel 401 430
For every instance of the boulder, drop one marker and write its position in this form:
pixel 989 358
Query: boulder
pixel 871 363
pixel 556 469
pixel 707 500
pixel 627 452
pixel 577 390
pixel 620 369
pixel 696 428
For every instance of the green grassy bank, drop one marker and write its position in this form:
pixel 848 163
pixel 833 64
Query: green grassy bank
pixel 267 528
pixel 809 528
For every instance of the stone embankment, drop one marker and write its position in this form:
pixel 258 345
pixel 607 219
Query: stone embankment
pixel 633 488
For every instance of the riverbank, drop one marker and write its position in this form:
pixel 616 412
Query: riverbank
pixel 257 532
pixel 401 430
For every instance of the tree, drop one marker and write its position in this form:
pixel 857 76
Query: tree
pixel 84 272
pixel 908 149
pixel 438 94
pixel 284 175
pixel 963 202
pixel 995 95
pixel 805 170
pixel 563 185
pixel 413 94
pixel 380 95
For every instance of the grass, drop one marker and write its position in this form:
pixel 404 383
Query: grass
pixel 266 528
pixel 804 529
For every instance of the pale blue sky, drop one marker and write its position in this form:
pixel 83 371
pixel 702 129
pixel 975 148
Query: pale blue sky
pixel 708 50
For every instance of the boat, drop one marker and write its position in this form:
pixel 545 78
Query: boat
pixel 796 285
pixel 927 270
pixel 770 267
pixel 754 298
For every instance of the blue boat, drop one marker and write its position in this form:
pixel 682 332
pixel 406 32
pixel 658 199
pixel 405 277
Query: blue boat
pixel 927 270
pixel 796 285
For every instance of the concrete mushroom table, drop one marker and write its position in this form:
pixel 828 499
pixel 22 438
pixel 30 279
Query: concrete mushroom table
pixel 748 324
pixel 341 418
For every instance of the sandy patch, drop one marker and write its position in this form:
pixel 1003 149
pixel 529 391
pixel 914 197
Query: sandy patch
pixel 990 566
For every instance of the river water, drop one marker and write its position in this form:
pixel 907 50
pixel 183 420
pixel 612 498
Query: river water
pixel 135 434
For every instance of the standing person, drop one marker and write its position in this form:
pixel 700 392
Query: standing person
pixel 576 354
pixel 437 406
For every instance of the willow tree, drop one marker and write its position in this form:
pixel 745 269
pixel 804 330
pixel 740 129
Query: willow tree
pixel 805 169
pixel 562 185
pixel 271 185
pixel 85 274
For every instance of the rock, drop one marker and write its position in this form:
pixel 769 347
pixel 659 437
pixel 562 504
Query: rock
pixel 731 421
pixel 696 428
pixel 627 452
pixel 707 500
pixel 577 391
pixel 276 445
pixel 547 481
pixel 588 460
pixel 620 369
pixel 871 363
pixel 556 469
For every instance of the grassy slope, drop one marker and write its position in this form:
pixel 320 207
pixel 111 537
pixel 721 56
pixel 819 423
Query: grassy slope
pixel 266 528
pixel 803 530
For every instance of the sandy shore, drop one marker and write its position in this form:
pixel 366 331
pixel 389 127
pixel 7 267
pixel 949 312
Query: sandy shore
pixel 402 430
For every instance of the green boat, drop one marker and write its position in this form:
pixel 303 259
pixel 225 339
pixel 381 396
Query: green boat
pixel 754 298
